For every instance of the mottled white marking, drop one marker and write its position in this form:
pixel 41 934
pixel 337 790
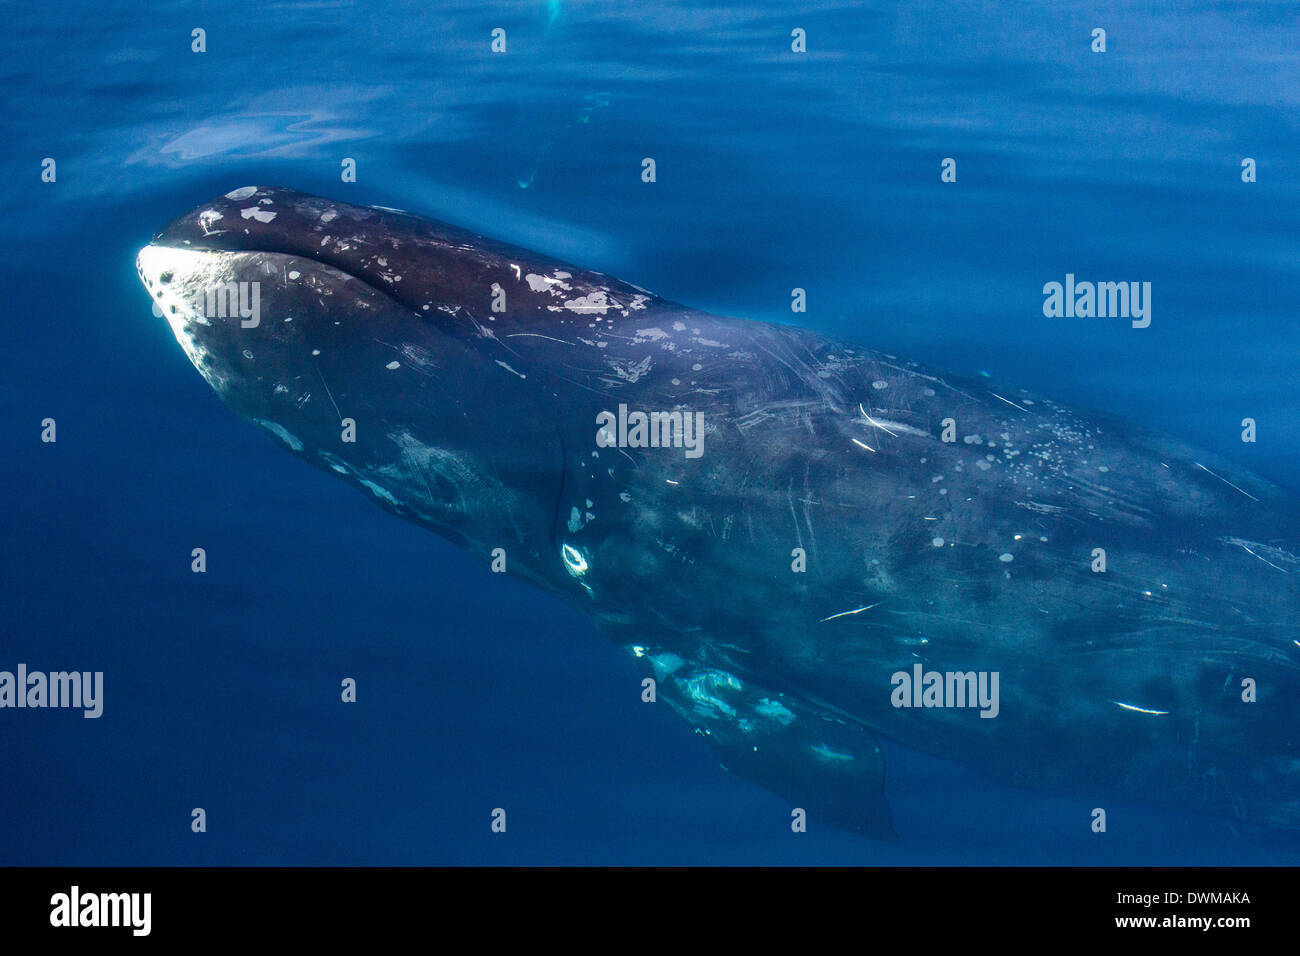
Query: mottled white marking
pixel 253 212
pixel 665 664
pixel 775 710
pixel 392 365
pixel 279 432
pixel 826 753
pixel 243 192
pixel 378 491
pixel 630 372
pixel 595 302
pixel 545 284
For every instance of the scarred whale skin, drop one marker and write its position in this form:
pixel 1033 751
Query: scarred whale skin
pixel 1169 678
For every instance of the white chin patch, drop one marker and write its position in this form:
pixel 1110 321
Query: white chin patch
pixel 177 280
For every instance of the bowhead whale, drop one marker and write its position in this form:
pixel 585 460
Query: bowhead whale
pixel 806 544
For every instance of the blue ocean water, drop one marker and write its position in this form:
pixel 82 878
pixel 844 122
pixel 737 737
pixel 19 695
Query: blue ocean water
pixel 775 170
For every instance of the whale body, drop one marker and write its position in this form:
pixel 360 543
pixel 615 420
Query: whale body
pixel 805 544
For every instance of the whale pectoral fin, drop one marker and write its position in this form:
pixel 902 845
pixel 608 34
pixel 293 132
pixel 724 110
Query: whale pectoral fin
pixel 832 768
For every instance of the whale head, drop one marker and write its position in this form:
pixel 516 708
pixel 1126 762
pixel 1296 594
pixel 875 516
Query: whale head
pixel 355 336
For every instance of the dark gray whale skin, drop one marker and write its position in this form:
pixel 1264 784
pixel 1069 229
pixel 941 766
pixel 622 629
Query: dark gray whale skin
pixel 969 555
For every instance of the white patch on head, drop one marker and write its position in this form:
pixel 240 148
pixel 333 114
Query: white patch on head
pixel 243 192
pixel 261 215
pixel 329 215
pixel 392 365
pixel 594 302
pixel 543 284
